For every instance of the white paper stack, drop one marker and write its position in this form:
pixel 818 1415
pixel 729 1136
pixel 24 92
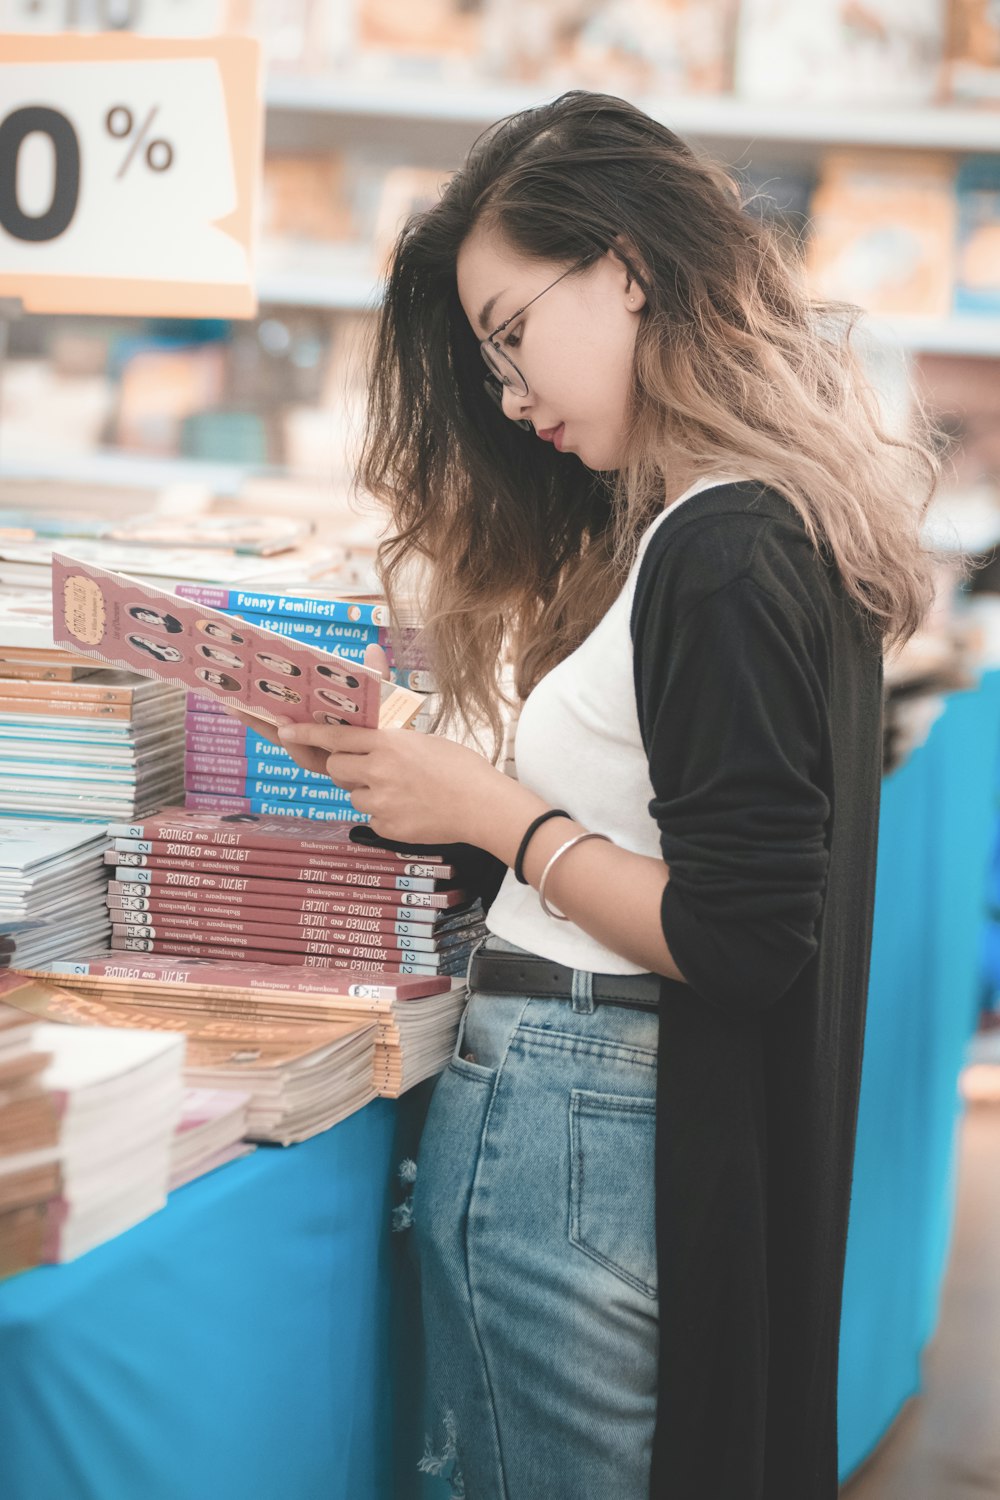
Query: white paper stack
pixel 53 890
pixel 209 1133
pixel 103 1115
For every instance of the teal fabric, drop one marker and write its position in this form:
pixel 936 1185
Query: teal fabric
pixel 236 1344
pixel 936 832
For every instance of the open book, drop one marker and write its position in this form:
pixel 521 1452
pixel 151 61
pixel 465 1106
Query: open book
pixel 118 620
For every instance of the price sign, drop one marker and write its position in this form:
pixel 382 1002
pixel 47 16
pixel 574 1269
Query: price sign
pixel 129 174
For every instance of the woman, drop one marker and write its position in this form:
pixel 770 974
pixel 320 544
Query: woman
pixel 675 503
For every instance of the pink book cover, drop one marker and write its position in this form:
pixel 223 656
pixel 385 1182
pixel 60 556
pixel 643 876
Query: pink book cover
pixel 291 979
pixel 373 903
pixel 264 868
pixel 117 619
pixel 155 851
pixel 210 881
pixel 289 913
pixel 225 747
pixel 273 956
pixel 326 929
pixel 249 807
pixel 368 953
pixel 184 825
pixel 206 709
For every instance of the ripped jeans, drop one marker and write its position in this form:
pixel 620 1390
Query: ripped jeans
pixel 534 1224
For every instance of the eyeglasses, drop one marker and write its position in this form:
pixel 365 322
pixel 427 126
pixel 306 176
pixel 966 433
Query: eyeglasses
pixel 499 364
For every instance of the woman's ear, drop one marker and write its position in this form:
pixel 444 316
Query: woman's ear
pixel 635 277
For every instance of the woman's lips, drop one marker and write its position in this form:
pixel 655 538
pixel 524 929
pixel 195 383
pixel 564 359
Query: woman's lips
pixel 553 435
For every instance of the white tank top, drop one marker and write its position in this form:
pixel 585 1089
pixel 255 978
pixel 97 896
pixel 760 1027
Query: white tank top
pixel 578 745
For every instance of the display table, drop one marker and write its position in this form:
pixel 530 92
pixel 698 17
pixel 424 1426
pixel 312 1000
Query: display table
pixel 255 1340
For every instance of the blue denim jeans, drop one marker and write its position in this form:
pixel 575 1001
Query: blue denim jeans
pixel 534 1224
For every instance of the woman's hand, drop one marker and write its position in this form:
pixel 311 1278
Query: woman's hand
pixel 418 788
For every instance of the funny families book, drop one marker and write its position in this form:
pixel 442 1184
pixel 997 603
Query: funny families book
pixel 247 668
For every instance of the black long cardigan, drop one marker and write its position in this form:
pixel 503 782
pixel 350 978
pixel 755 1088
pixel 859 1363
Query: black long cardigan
pixel 758 689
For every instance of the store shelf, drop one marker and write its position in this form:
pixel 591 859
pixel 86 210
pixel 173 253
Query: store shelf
pixel 710 117
pixel 341 293
pixel 957 335
pixel 110 466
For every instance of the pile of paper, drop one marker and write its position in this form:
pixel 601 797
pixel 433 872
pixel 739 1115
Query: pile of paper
pixel 53 891
pixel 209 1133
pixel 278 1013
pixel 205 885
pixel 85 1140
pixel 290 1078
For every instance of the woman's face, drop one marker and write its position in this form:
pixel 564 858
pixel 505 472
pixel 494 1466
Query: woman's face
pixel 574 346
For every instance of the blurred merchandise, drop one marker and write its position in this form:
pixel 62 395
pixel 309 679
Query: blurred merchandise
pixel 884 232
pixel 209 1133
pixel 159 387
pixel 977 271
pixel 973 57
pixel 53 887
pixel 398 37
pixel 884 52
pixel 85 1143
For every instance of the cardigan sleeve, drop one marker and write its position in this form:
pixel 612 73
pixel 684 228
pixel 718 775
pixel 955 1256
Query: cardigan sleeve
pixel 733 722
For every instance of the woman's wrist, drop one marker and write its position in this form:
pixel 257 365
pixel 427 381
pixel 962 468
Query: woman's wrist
pixel 502 816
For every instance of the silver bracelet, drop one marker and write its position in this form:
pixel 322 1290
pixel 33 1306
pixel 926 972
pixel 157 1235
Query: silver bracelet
pixel 579 839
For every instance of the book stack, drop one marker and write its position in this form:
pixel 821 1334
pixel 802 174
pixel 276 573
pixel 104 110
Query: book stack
pixel 89 746
pixel 252 1026
pixel 279 1081
pixel 53 891
pixel 85 1141
pixel 209 1133
pixel 229 768
pixel 208 885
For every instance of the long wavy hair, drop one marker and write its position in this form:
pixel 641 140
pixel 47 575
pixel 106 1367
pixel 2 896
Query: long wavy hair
pixel 515 548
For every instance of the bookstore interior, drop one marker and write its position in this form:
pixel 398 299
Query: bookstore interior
pixel 224 1001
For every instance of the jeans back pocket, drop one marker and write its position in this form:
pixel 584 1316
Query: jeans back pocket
pixel 613 1183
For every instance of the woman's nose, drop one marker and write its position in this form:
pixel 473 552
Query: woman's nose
pixel 514 406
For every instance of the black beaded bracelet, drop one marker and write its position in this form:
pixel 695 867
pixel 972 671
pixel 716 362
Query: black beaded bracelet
pixel 553 812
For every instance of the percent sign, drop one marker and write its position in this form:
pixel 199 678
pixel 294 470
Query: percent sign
pixel 40 120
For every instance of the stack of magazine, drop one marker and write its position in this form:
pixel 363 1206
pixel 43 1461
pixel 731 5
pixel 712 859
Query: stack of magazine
pixel 231 768
pixel 277 1081
pixel 86 1124
pixel 245 886
pixel 109 744
pixel 53 891
pixel 254 1026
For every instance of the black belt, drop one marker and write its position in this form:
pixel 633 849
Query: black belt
pixel 514 974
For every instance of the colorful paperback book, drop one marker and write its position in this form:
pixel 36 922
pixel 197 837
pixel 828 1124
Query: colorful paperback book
pixel 254 769
pixel 256 807
pixel 202 736
pixel 419 937
pixel 267 868
pixel 364 610
pixel 293 979
pixel 139 628
pixel 251 786
pixel 181 825
pixel 335 945
pixel 138 883
pixel 260 908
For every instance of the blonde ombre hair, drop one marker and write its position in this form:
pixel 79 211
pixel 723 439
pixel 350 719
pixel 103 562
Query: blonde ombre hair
pixel 736 370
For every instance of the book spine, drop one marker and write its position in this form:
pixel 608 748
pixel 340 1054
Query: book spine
pixel 254 908
pixel 138 883
pixel 273 956
pixel 197 703
pixel 304 792
pixel 174 844
pixel 72 692
pixel 373 954
pixel 292 979
pixel 294 606
pixel 268 869
pixel 36 671
pixel 59 708
pixel 261 768
pixel 418 679
pixel 270 807
pixel 409 935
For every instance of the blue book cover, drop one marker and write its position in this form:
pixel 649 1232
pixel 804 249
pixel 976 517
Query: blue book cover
pixel 317 812
pixel 292 606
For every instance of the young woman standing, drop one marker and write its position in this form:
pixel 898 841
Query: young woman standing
pixel 669 495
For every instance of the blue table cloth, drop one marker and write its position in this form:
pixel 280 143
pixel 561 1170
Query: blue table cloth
pixel 256 1340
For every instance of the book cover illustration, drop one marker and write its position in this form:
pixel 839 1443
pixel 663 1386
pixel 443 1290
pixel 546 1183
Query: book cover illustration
pixel 140 628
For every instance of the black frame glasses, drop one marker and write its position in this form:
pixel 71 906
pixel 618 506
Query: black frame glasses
pixel 506 375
